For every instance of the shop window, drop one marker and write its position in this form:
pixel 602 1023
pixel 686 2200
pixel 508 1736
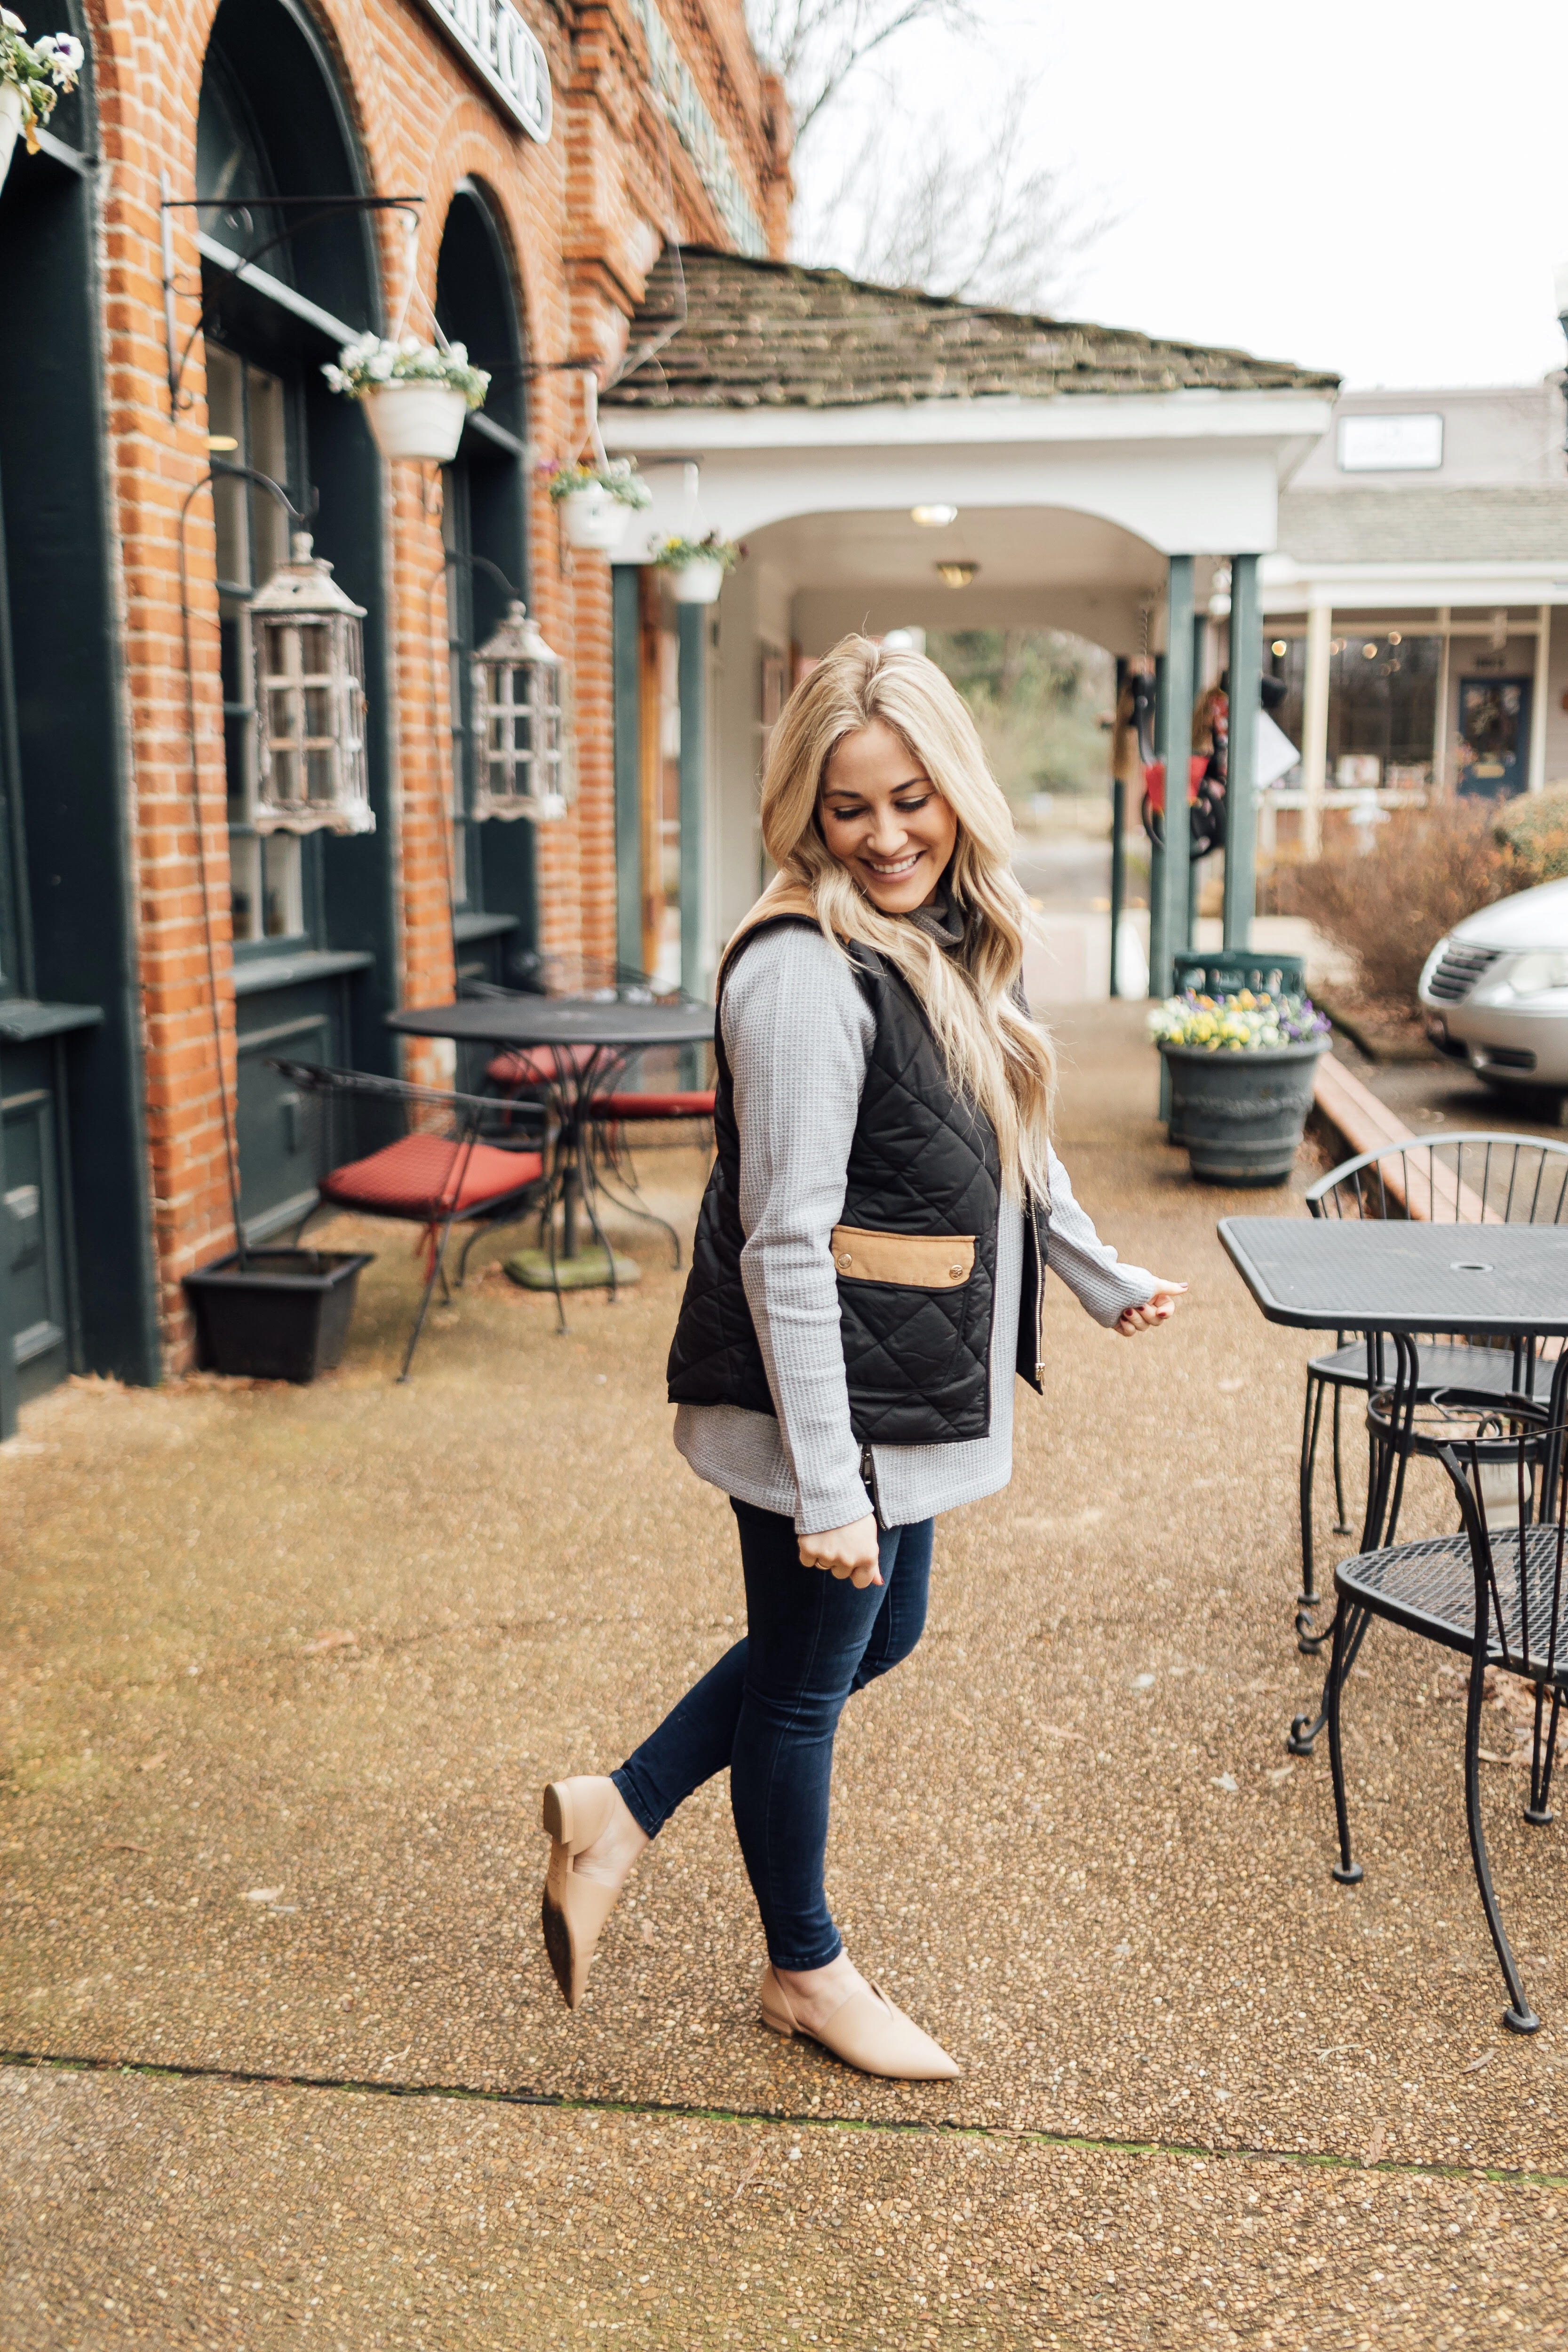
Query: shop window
pixel 1383 706
pixel 457 537
pixel 484 531
pixel 247 408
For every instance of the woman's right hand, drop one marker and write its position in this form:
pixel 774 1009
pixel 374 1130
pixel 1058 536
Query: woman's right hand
pixel 849 1552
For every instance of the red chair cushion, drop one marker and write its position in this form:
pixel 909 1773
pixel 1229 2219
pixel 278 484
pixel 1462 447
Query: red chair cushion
pixel 536 1066
pixel 696 1105
pixel 415 1177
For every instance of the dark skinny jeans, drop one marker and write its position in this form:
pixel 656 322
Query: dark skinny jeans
pixel 769 1709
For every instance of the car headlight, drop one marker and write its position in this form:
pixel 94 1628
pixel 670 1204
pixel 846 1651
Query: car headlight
pixel 1529 974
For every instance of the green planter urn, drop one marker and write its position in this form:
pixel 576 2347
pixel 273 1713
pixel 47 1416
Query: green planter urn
pixel 1241 1112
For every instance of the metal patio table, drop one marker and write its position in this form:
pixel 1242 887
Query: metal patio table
pixel 1402 1281
pixel 583 1042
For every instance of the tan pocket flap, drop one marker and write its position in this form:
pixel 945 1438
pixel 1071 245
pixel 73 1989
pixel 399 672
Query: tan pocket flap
pixel 917 1261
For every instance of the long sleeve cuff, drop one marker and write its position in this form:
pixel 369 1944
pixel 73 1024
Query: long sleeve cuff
pixel 1103 1286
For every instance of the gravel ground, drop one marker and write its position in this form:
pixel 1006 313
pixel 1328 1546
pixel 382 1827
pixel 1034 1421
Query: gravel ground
pixel 285 1669
pixel 206 2215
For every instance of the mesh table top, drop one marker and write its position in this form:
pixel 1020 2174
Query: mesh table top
pixel 558 1020
pixel 1330 1274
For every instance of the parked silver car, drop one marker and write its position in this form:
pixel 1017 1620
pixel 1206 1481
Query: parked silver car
pixel 1495 991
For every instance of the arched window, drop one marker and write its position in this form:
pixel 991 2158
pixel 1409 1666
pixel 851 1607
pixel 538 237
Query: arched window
pixel 485 514
pixel 260 86
pixel 284 284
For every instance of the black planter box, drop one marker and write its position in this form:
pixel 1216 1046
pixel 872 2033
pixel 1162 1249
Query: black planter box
pixel 285 1317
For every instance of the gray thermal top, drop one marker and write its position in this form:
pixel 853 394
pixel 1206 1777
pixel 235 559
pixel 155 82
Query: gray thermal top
pixel 798 1032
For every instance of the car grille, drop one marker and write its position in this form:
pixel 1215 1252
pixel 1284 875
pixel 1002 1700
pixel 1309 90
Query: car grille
pixel 1506 1057
pixel 1457 973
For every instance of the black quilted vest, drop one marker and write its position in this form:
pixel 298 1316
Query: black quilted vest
pixel 921 1162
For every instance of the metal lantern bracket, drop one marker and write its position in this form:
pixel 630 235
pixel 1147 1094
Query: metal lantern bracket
pixel 311 208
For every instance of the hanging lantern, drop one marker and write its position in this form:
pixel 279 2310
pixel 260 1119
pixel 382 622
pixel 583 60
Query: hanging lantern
pixel 309 700
pixel 519 709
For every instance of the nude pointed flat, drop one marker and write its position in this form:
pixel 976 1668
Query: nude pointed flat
pixel 868 2032
pixel 574 1909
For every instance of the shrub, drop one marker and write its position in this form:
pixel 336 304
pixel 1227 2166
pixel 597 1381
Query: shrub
pixel 1535 828
pixel 1389 907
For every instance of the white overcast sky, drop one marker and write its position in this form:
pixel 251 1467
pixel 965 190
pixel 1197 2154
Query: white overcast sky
pixel 1375 186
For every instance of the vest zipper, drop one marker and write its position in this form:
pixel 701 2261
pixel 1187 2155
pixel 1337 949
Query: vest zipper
pixel 869 1473
pixel 1039 1292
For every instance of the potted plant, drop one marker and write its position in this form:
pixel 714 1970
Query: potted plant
pixel 1241 1070
pixel 696 566
pixel 414 395
pixel 598 501
pixel 32 75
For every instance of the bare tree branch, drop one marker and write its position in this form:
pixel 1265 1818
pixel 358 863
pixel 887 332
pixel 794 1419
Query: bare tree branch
pixel 817 45
pixel 981 226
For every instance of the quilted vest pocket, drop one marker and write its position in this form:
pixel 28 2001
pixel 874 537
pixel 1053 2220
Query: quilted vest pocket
pixel 911 1261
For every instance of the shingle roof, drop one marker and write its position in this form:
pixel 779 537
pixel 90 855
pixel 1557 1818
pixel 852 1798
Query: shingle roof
pixel 1513 524
pixel 769 334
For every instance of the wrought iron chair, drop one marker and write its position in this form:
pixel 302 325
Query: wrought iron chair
pixel 1473 1178
pixel 451 1158
pixel 1494 1591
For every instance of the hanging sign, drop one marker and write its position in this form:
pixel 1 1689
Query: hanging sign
pixel 504 54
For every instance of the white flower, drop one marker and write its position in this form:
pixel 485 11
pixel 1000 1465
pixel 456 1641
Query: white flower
pixel 410 345
pixel 379 367
pixel 12 24
pixel 458 355
pixel 62 53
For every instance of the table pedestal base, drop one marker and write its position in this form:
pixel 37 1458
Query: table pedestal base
pixel 587 1269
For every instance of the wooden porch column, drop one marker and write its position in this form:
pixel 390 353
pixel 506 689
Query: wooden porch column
pixel 694 620
pixel 1315 726
pixel 626 706
pixel 1175 749
pixel 1241 754
pixel 1536 768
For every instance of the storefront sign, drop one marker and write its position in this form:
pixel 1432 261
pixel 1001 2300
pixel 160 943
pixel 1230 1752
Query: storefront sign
pixel 699 133
pixel 504 54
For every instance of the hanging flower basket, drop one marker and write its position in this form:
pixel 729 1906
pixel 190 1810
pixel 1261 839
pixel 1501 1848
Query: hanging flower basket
pixel 696 566
pixel 414 395
pixel 597 502
pixel 32 75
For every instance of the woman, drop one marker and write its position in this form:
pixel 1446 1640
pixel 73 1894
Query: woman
pixel 866 1273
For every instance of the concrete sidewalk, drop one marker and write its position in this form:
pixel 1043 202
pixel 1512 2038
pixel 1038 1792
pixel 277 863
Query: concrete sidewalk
pixel 287 1669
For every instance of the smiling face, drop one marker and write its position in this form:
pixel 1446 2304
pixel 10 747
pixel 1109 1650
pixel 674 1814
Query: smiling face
pixel 884 819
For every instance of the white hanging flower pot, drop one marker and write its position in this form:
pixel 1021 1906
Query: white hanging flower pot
pixel 595 518
pixel 32 75
pixel 414 395
pixel 415 419
pixel 10 124
pixel 695 567
pixel 697 582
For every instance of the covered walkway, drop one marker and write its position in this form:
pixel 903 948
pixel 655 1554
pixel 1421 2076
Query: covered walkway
pixel 887 459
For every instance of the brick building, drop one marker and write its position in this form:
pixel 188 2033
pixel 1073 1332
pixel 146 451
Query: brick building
pixel 174 272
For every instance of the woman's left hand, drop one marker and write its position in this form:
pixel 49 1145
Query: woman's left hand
pixel 1159 1310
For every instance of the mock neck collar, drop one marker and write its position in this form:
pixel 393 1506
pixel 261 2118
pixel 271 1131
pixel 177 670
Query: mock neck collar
pixel 941 920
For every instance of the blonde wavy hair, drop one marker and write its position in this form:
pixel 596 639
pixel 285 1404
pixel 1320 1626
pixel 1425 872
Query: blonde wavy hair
pixel 996 1057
